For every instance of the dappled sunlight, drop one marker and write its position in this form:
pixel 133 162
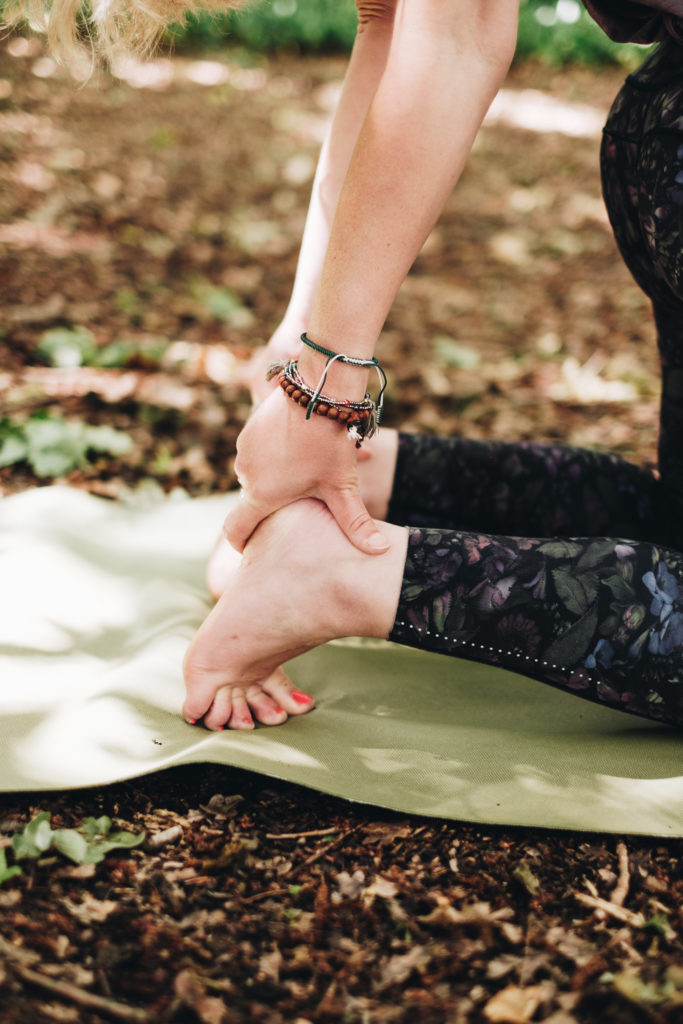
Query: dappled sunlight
pixel 586 385
pixel 98 739
pixel 51 239
pixel 161 73
pixel 536 111
pixel 259 749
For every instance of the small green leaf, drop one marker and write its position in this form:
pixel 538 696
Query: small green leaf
pixel 35 839
pixel 13 447
pixel 5 872
pixel 55 446
pixel 107 440
pixel 659 923
pixel 451 353
pixel 70 843
pixel 220 303
pixel 67 347
pixel 90 843
pixel 94 828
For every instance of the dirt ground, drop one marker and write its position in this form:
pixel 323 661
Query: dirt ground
pixel 161 210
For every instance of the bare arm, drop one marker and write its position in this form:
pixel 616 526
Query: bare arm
pixel 364 72
pixel 446 60
pixel 446 63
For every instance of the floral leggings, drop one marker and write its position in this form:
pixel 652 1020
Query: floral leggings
pixel 563 564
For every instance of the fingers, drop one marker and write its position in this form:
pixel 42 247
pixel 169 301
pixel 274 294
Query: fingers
pixel 241 522
pixel 355 521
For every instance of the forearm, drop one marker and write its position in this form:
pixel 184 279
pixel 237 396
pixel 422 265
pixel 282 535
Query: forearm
pixel 366 66
pixel 446 62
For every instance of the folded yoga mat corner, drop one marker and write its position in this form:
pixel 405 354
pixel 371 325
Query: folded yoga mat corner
pixel 98 601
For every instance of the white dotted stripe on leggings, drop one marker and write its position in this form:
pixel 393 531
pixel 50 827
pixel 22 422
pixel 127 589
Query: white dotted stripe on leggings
pixel 484 647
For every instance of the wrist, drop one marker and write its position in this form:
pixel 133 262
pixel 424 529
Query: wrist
pixel 342 381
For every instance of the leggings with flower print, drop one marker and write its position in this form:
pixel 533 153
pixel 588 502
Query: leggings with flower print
pixel 563 564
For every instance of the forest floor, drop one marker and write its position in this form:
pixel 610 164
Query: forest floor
pixel 149 227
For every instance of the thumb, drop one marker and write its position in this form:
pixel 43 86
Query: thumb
pixel 355 521
pixel 241 522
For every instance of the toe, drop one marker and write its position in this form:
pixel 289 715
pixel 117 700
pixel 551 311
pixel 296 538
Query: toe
pixel 220 712
pixel 202 683
pixel 283 691
pixel 264 709
pixel 240 717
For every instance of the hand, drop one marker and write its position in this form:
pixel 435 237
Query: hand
pixel 282 456
pixel 285 343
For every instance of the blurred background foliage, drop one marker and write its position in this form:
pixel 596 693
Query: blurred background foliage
pixel 555 31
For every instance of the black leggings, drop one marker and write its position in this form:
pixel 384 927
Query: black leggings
pixel 563 564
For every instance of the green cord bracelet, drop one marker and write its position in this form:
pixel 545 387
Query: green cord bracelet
pixel 338 355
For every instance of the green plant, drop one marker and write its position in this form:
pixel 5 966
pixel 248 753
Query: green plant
pixel 69 347
pixel 88 844
pixel 53 446
pixel 556 31
pixel 303 25
pixel 562 32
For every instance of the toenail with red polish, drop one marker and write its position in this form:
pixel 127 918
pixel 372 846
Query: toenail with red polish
pixel 300 698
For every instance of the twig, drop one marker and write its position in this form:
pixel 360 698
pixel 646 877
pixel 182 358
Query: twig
pixel 264 895
pixel 620 891
pixel 169 835
pixel 78 995
pixel 302 835
pixel 621 888
pixel 21 957
pixel 322 851
pixel 635 919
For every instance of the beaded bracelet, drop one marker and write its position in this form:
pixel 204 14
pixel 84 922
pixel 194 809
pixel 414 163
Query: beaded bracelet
pixel 361 419
pixel 334 357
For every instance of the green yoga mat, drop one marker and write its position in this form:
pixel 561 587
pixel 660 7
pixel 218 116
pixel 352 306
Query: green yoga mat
pixel 98 601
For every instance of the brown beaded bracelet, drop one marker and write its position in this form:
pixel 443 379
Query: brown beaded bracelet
pixel 357 417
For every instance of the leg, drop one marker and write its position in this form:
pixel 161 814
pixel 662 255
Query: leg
pixel 602 618
pixel 496 487
pixel 522 488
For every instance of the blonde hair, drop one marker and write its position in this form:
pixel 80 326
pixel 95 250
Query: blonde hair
pixel 105 28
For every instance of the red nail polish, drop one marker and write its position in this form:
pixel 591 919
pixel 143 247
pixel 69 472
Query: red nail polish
pixel 192 721
pixel 300 698
pixel 279 711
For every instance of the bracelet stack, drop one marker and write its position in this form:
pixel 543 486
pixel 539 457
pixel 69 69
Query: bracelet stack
pixel 361 419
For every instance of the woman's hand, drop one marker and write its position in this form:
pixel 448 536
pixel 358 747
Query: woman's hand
pixel 285 343
pixel 282 456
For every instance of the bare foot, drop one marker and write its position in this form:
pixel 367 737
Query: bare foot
pixel 223 564
pixel 299 583
pixel 376 467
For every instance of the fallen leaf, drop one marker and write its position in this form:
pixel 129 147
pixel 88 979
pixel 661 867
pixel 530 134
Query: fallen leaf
pixel 515 1005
